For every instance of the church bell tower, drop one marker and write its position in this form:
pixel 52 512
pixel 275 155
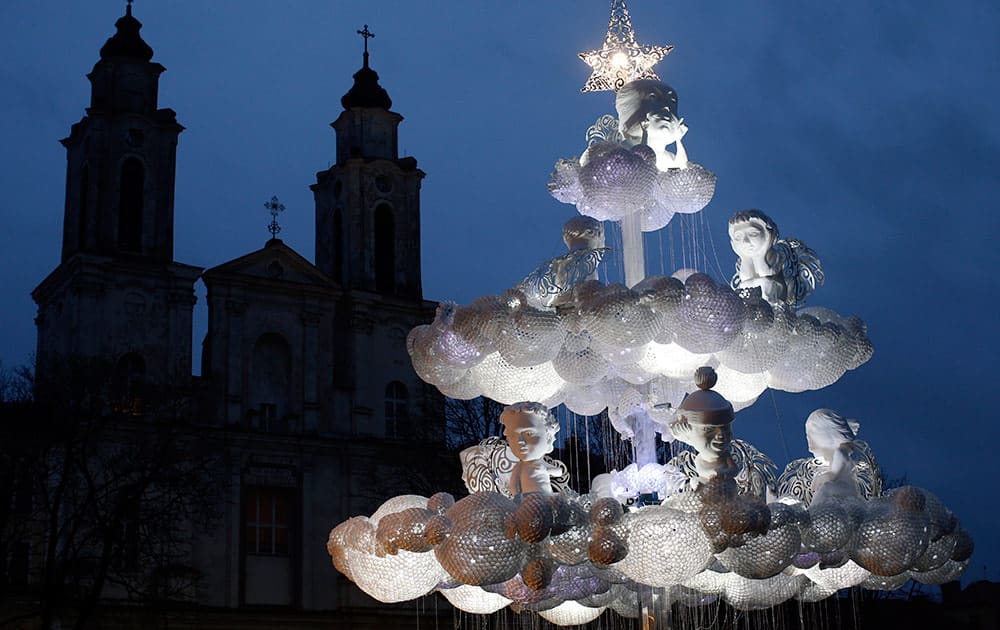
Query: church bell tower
pixel 117 296
pixel 368 203
pixel 121 156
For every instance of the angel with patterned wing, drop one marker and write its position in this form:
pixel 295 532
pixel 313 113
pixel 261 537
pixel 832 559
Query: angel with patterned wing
pixel 785 271
pixel 841 465
pixel 551 284
pixel 519 464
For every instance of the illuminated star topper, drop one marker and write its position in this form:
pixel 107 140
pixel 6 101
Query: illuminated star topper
pixel 621 59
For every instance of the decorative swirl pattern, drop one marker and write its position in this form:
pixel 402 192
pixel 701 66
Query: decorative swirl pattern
pixel 604 130
pixel 801 270
pixel 487 467
pixel 553 281
pixel 797 479
pixel 756 470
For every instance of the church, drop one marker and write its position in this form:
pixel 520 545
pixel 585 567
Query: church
pixel 305 379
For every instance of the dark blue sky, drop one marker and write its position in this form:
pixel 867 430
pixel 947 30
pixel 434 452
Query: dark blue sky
pixel 867 129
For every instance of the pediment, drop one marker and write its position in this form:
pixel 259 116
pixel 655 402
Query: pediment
pixel 275 262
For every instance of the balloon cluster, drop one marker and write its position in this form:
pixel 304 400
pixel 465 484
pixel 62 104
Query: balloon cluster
pixel 613 181
pixel 610 338
pixel 571 557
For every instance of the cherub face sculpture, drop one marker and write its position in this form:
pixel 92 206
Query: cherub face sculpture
pixel 752 233
pixel 749 239
pixel 530 430
pixel 826 431
pixel 646 105
pixel 710 440
pixel 583 232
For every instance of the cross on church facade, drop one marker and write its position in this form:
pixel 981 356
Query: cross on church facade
pixel 275 207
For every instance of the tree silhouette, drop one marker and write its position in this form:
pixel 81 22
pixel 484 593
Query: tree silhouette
pixel 109 498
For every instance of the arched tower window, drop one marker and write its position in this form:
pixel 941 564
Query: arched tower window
pixel 270 382
pixel 338 245
pixel 385 249
pixel 130 381
pixel 130 205
pixel 82 216
pixel 397 412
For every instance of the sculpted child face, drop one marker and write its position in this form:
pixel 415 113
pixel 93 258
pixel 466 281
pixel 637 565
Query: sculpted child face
pixel 648 104
pixel 827 431
pixel 750 238
pixel 708 439
pixel 527 435
pixel 715 438
pixel 820 439
pixel 816 446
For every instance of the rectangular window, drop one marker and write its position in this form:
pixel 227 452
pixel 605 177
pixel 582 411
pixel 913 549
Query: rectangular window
pixel 266 514
pixel 268 417
pixel 396 414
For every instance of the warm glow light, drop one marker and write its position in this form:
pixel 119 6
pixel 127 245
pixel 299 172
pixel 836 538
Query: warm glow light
pixel 621 59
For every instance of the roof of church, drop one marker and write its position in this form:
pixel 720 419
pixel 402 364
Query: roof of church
pixel 127 42
pixel 366 92
pixel 276 261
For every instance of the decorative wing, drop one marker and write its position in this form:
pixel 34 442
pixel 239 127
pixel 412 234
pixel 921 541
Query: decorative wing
pixel 545 285
pixel 684 463
pixel 560 483
pixel 487 467
pixel 867 470
pixel 541 285
pixel 800 269
pixel 757 471
pixel 580 264
pixel 797 479
pixel 604 130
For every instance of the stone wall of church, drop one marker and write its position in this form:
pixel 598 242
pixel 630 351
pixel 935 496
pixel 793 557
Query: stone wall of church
pixel 96 308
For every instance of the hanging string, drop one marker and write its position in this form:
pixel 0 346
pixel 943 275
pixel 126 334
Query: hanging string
pixel 715 253
pixel 777 421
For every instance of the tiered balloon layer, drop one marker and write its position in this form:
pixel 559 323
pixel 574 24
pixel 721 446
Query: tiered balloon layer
pixel 613 338
pixel 555 554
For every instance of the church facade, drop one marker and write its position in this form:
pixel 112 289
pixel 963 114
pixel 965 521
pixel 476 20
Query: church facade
pixel 305 380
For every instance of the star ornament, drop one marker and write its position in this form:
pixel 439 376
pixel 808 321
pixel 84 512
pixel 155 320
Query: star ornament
pixel 621 59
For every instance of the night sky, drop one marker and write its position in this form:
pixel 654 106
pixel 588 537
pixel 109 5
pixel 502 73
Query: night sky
pixel 866 129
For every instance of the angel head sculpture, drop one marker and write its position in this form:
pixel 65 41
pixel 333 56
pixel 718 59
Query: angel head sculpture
pixel 530 430
pixel 785 271
pixel 583 232
pixel 704 421
pixel 647 114
pixel 828 432
pixel 831 439
pixel 842 466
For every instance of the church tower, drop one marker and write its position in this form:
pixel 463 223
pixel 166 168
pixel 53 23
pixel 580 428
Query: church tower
pixel 117 295
pixel 121 157
pixel 368 203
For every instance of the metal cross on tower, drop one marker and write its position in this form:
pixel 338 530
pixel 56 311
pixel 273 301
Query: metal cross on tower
pixel 366 34
pixel 275 207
